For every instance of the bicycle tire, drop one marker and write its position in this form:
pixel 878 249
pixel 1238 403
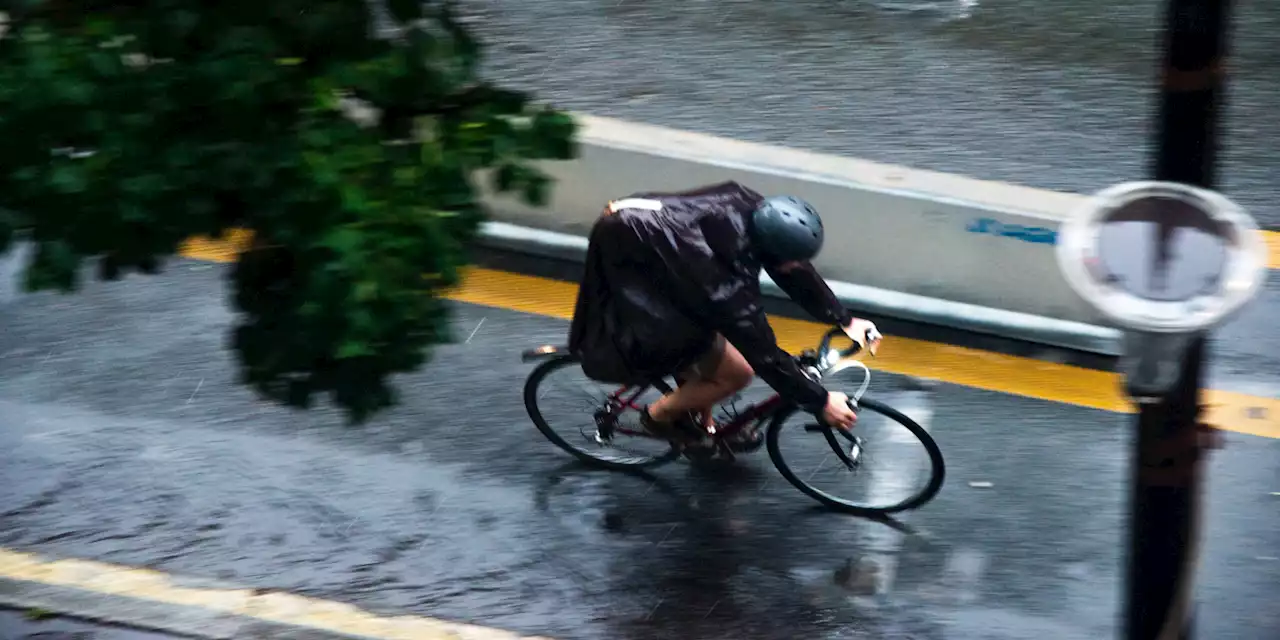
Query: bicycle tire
pixel 531 384
pixel 937 475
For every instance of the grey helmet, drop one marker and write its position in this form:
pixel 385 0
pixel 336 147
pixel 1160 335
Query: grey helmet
pixel 786 228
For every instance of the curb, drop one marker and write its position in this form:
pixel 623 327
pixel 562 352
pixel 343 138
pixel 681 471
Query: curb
pixel 936 311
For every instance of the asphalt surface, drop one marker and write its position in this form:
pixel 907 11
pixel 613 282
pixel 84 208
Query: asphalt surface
pixel 1246 350
pixel 16 625
pixel 126 440
pixel 1056 94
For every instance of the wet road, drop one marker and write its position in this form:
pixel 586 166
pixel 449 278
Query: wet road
pixel 126 441
pixel 1246 350
pixel 16 625
pixel 1051 93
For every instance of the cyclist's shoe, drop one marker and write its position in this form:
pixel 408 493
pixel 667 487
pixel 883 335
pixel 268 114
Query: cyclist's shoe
pixel 682 430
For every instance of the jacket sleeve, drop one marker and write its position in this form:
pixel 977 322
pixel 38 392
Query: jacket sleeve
pixel 804 285
pixel 731 305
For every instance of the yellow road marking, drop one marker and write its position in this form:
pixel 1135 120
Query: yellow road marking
pixel 1272 238
pixel 1255 415
pixel 279 607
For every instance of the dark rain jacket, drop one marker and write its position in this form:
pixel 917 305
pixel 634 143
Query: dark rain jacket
pixel 665 272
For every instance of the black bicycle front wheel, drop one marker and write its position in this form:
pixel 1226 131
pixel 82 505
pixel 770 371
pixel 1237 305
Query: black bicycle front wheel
pixel 885 447
pixel 622 448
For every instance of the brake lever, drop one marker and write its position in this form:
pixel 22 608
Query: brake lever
pixel 873 337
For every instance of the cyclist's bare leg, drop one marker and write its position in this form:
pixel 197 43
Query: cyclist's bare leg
pixel 706 384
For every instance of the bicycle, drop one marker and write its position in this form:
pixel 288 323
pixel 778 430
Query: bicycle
pixel 849 447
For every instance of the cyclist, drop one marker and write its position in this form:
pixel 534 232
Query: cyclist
pixel 671 286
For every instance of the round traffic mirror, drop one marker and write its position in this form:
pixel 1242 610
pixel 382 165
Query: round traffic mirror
pixel 1162 249
pixel 1162 257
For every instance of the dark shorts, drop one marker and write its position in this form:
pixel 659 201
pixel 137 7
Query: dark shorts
pixel 703 365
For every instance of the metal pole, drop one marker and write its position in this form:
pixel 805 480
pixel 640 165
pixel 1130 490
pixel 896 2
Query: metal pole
pixel 1167 465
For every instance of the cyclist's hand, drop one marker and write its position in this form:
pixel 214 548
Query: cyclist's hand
pixel 864 333
pixel 837 412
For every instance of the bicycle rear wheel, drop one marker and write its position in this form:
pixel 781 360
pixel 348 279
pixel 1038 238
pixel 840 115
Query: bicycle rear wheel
pixel 885 447
pixel 605 423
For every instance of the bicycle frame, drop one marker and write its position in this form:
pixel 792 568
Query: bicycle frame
pixel 749 415
pixel 816 364
pixel 763 409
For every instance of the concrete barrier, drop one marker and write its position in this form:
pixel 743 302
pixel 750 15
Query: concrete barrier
pixel 920 245
pixel 923 246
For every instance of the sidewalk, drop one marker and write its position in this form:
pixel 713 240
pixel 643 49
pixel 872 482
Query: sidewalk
pixel 18 625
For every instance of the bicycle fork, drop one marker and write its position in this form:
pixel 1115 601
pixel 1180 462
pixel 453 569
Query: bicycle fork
pixel 853 458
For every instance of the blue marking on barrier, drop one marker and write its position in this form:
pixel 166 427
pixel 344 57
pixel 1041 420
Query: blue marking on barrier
pixel 991 226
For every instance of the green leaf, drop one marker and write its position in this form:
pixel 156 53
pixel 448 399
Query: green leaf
pixel 344 240
pixel 353 349
pixel 465 47
pixel 353 199
pixel 509 102
pixel 54 266
pixel 554 135
pixel 407 177
pixel 536 188
pixel 104 63
pixel 68 178
pixel 506 177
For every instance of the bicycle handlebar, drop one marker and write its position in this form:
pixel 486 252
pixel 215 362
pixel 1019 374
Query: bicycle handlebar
pixel 825 345
pixel 825 362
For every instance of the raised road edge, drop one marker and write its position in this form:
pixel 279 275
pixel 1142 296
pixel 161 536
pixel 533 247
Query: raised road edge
pixel 870 300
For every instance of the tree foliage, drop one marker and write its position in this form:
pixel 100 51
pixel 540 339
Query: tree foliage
pixel 127 127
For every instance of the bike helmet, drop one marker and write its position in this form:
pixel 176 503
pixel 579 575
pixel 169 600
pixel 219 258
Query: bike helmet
pixel 785 229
